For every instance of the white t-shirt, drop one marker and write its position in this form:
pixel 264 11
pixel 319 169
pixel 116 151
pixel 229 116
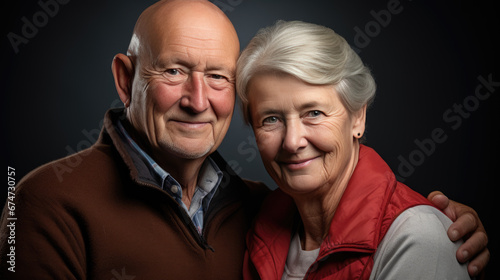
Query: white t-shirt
pixel 416 246
pixel 298 261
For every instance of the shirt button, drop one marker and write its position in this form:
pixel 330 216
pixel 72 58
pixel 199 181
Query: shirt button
pixel 174 189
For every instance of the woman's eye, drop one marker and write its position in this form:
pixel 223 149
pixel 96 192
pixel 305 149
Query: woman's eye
pixel 270 120
pixel 314 113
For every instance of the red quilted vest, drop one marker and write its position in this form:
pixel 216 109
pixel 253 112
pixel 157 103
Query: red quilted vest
pixel 369 205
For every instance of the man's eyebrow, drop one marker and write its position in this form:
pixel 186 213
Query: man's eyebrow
pixel 229 73
pixel 164 63
pixel 218 67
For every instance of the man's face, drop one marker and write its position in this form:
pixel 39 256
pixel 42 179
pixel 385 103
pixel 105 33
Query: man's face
pixel 183 90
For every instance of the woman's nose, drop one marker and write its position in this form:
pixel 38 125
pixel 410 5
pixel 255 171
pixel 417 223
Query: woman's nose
pixel 294 138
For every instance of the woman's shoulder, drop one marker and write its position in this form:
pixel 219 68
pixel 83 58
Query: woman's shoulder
pixel 420 220
pixel 417 245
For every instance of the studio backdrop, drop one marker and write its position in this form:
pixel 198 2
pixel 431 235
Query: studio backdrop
pixel 434 119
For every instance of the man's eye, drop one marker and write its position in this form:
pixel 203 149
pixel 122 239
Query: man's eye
pixel 172 71
pixel 217 77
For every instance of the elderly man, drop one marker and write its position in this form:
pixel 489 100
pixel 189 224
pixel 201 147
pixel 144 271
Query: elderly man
pixel 152 198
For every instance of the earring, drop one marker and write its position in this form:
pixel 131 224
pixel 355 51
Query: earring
pixel 359 134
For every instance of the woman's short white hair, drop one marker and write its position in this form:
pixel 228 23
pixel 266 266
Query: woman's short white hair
pixel 312 53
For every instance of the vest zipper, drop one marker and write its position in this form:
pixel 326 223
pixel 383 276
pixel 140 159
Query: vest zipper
pixel 326 254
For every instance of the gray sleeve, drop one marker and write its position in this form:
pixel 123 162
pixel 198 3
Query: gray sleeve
pixel 417 247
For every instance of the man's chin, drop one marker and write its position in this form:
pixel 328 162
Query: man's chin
pixel 187 151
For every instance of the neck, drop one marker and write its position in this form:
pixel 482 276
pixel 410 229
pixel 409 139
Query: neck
pixel 185 171
pixel 317 210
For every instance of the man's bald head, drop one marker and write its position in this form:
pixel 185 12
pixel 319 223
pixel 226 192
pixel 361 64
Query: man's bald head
pixel 158 21
pixel 177 80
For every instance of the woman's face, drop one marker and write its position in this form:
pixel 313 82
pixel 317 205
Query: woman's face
pixel 305 135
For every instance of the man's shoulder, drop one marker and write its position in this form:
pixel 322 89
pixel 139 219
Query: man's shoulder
pixel 257 192
pixel 257 188
pixel 81 166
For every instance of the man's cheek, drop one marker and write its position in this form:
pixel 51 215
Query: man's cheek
pixel 223 104
pixel 164 96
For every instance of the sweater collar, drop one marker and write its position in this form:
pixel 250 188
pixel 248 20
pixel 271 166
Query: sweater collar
pixel 142 167
pixel 134 162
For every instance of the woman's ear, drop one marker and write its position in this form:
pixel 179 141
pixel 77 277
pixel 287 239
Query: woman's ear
pixel 359 121
pixel 123 74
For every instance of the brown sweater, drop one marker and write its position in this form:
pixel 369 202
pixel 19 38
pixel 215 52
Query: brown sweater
pixel 91 216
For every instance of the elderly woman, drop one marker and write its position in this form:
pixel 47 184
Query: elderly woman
pixel 339 212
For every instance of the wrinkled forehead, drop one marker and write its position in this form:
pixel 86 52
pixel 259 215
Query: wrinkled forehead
pixel 194 46
pixel 190 41
pixel 183 24
pixel 195 36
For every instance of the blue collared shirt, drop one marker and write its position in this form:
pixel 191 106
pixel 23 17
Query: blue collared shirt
pixel 209 179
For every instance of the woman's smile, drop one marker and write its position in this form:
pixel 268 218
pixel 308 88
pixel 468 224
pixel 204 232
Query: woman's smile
pixel 296 164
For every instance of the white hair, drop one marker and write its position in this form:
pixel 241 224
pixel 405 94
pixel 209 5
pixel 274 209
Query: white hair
pixel 312 53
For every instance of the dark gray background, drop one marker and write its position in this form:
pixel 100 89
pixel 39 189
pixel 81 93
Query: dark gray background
pixel 426 59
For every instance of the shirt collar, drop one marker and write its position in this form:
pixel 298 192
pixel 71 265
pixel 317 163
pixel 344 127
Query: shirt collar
pixel 210 173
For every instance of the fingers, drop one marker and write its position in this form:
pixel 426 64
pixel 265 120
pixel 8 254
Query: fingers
pixel 473 247
pixel 439 200
pixel 465 224
pixel 478 263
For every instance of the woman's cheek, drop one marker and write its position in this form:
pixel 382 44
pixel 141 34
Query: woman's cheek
pixel 324 138
pixel 267 144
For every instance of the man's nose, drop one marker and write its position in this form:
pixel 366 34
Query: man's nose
pixel 294 138
pixel 195 95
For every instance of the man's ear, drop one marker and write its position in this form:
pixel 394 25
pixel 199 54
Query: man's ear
pixel 359 121
pixel 123 73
